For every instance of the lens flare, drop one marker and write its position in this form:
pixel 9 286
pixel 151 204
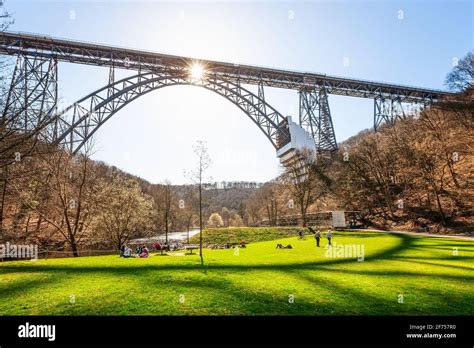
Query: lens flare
pixel 197 71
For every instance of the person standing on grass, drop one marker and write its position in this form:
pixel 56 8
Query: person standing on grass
pixel 329 237
pixel 317 236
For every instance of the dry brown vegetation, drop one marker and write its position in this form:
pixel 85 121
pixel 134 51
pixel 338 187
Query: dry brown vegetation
pixel 415 175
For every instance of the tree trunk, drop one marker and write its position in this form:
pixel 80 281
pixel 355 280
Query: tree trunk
pixel 166 228
pixel 440 208
pixel 303 211
pixel 452 171
pixel 200 223
pixel 74 249
pixel 2 203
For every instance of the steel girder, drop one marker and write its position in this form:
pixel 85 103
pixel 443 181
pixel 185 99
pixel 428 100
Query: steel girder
pixel 38 56
pixel 33 94
pixel 315 118
pixel 103 55
pixel 78 122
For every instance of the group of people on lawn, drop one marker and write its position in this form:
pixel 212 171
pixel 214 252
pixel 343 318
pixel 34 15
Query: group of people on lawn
pixel 317 236
pixel 143 252
pixel 140 251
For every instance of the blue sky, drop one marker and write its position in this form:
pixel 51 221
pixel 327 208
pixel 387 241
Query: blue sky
pixel 404 42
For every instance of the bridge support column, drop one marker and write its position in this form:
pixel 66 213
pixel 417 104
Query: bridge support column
pixel 387 110
pixel 111 80
pixel 33 94
pixel 315 118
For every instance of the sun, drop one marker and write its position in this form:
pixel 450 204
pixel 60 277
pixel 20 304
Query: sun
pixel 197 71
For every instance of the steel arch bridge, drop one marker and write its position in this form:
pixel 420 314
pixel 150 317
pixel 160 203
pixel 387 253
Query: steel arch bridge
pixel 77 123
pixel 33 94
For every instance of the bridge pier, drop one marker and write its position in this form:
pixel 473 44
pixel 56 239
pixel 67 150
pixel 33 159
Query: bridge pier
pixel 315 118
pixel 33 94
pixel 387 110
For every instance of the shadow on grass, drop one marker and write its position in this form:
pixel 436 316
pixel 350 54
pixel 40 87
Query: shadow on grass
pixel 460 248
pixel 414 259
pixel 239 299
pixel 24 285
pixel 405 242
pixel 388 273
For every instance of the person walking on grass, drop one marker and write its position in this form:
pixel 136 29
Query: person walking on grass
pixel 317 236
pixel 329 237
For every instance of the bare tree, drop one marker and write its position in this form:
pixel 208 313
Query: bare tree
pixel 268 198
pixel 462 76
pixel 71 183
pixel 252 210
pixel 197 176
pixel 225 214
pixel 125 212
pixel 306 180
pixel 18 140
pixel 15 140
pixel 235 219
pixel 164 198
pixel 189 208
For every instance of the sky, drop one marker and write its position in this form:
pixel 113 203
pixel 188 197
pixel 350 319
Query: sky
pixel 403 42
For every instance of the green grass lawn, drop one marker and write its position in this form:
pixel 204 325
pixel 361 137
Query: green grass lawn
pixel 260 280
pixel 248 234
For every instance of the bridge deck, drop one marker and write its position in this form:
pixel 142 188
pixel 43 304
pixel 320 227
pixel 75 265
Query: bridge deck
pixel 103 55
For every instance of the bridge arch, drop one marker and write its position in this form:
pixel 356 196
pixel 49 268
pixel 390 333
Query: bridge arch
pixel 75 125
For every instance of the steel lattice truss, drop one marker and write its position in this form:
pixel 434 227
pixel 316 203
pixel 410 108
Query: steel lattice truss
pixel 36 73
pixel 32 95
pixel 388 111
pixel 77 123
pixel 315 118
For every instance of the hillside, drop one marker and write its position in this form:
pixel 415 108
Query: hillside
pixel 248 234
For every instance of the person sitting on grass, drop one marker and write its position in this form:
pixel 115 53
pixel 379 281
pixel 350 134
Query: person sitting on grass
pixel 301 235
pixel 243 244
pixel 144 252
pixel 157 246
pixel 127 252
pixel 281 246
pixel 138 250
pixel 122 250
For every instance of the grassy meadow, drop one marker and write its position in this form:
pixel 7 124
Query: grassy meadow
pixel 400 275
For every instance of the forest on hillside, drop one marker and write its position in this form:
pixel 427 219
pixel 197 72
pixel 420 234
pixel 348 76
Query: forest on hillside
pixel 415 175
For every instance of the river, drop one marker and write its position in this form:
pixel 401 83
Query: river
pixel 173 237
